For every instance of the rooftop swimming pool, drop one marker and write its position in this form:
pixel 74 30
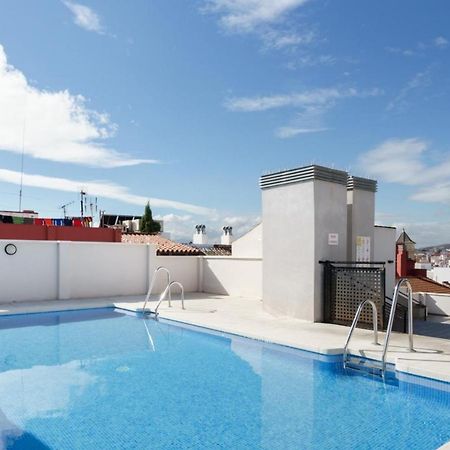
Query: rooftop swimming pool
pixel 107 379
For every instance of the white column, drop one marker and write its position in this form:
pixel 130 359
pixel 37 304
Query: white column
pixel 361 218
pixel 305 220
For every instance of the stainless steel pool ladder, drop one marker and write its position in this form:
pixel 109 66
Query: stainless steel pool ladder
pixel 391 319
pixel 152 283
pixel 374 366
pixel 355 322
pixel 167 291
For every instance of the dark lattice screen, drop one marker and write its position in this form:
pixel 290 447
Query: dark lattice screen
pixel 347 285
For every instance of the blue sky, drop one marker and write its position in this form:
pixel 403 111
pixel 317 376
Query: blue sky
pixel 189 102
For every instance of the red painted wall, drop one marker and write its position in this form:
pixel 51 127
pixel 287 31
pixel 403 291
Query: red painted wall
pixel 50 233
pixel 405 266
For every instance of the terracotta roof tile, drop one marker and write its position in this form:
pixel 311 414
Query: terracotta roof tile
pixel 164 247
pixel 424 284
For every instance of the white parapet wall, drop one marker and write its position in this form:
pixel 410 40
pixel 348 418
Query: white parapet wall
pixel 438 304
pixel 240 277
pixel 97 269
pixel 50 270
pixel 184 269
pixel 29 274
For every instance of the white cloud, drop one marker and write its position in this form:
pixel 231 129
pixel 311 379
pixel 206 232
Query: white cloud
pixel 404 161
pixel 58 125
pixel 269 20
pixel 280 39
pixel 313 97
pixel 181 227
pixel 312 105
pixel 247 15
pixel 401 51
pixel 309 120
pixel 441 42
pixel 420 48
pixel 312 61
pixel 418 81
pixel 426 233
pixel 241 224
pixel 85 17
pixel 438 192
pixel 395 160
pixel 289 132
pixel 98 188
pixel 407 162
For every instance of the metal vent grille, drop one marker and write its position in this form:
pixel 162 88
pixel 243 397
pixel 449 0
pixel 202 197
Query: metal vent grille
pixel 303 174
pixel 361 183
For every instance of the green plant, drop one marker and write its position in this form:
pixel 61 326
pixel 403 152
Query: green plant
pixel 148 225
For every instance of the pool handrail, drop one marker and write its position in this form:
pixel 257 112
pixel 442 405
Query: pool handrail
pixel 355 321
pixel 391 320
pixel 382 369
pixel 168 290
pixel 152 283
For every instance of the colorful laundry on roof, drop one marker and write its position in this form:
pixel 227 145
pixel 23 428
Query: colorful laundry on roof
pixel 55 222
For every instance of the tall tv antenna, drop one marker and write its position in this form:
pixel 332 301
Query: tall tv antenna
pixel 82 202
pixel 64 208
pixel 93 205
pixel 21 165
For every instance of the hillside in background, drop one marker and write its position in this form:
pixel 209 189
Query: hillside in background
pixel 434 248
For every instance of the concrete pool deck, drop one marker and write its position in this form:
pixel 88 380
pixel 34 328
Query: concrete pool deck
pixel 246 317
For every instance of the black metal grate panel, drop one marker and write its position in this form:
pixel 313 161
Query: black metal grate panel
pixel 346 286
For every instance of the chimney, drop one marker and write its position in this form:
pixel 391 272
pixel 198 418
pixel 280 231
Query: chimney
pixel 199 235
pixel 227 236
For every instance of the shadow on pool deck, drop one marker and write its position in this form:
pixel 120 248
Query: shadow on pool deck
pixel 434 326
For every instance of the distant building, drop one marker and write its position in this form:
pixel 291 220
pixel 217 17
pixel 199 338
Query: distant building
pixel 408 244
pixel 164 246
pixel 126 223
pixel 25 214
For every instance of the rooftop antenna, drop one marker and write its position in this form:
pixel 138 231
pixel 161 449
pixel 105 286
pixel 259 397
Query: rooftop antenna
pixel 21 165
pixel 82 195
pixel 100 218
pixel 64 208
pixel 92 206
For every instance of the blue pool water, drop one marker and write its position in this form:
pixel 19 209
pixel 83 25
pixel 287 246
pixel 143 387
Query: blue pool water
pixel 104 379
